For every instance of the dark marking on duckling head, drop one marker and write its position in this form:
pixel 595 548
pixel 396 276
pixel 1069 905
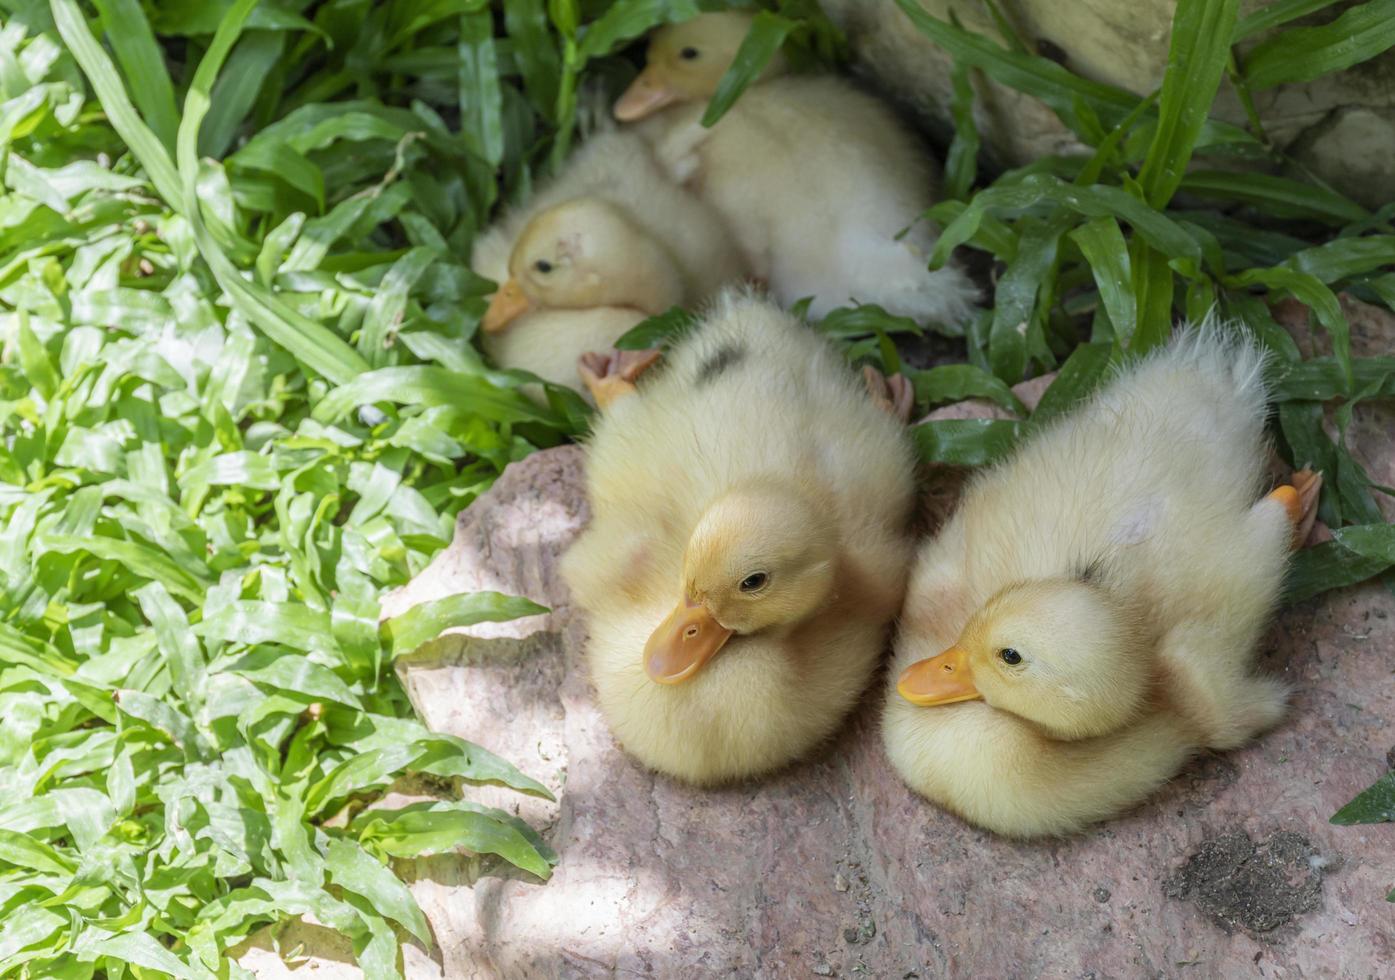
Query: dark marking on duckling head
pixel 1090 572
pixel 724 358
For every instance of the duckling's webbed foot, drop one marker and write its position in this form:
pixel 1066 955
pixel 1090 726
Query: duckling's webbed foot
pixel 611 374
pixel 1300 500
pixel 894 395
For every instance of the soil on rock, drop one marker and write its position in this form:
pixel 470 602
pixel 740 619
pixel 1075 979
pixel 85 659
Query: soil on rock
pixel 1253 886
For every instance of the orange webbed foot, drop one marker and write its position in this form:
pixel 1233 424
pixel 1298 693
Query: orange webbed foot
pixel 1300 499
pixel 894 395
pixel 611 374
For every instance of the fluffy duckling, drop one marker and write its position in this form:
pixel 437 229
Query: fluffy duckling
pixel 545 342
pixel 611 232
pixel 816 179
pixel 1097 599
pixel 748 546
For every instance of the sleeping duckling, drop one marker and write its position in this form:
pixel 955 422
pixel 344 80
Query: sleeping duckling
pixel 816 179
pixel 747 548
pixel 544 342
pixel 612 231
pixel 1097 599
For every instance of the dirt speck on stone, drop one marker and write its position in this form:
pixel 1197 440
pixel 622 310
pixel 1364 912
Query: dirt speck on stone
pixel 1254 886
pixel 1101 895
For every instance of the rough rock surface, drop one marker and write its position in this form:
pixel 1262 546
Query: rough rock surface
pixel 1341 127
pixel 833 868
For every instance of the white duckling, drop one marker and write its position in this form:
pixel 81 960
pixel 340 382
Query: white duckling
pixel 747 548
pixel 1098 598
pixel 816 179
pixel 612 233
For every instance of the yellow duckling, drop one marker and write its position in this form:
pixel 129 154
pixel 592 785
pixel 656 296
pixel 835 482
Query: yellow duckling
pixel 1098 598
pixel 612 232
pixel 748 546
pixel 816 179
pixel 545 342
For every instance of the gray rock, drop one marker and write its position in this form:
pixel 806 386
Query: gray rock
pixel 1341 127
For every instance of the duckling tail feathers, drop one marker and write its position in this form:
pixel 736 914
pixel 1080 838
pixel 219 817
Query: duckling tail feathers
pixel 1226 350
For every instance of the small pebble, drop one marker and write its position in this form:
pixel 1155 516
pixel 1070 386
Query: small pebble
pixel 821 968
pixel 850 934
pixel 1101 895
pixel 840 884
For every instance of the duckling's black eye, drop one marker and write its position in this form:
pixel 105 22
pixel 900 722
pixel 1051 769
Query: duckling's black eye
pixel 754 581
pixel 1010 657
pixel 543 266
pixel 688 54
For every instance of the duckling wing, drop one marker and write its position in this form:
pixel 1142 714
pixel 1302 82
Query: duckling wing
pixel 1153 475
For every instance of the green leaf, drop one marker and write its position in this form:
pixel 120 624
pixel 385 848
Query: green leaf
pixel 622 22
pixel 376 767
pixel 965 442
pixel 955 382
pixel 1048 81
pixel 1303 54
pixel 389 304
pixel 533 50
pixel 1310 291
pixel 961 163
pixel 355 870
pixel 1018 313
pixel 144 561
pixel 847 322
pixel 1345 257
pixel 141 59
pixel 1077 379
pixel 1092 202
pixel 1322 379
pixel 138 949
pixel 1153 292
pixel 1104 248
pixel 1376 541
pixel 27 926
pixel 1375 804
pixel 1275 14
pixel 424 385
pixel 102 74
pixel 426 621
pixel 481 100
pixel 657 331
pixel 768 32
pixel 452 757
pixel 254 621
pixel 249 66
pixel 434 828
pixel 1328 566
pixel 1196 60
pixel 303 676
pixel 24 851
pixel 1275 195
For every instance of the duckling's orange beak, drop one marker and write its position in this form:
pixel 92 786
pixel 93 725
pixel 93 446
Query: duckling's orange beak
pixel 507 305
pixel 688 638
pixel 939 680
pixel 647 94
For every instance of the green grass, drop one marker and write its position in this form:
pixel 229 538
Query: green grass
pixel 240 402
